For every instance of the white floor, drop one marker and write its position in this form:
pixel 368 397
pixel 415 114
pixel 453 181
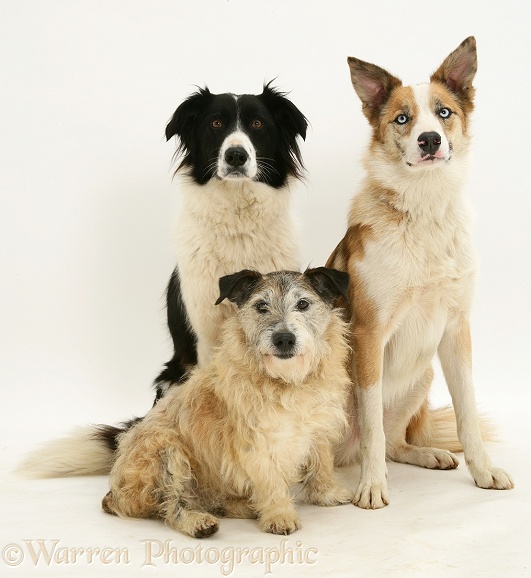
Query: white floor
pixel 438 524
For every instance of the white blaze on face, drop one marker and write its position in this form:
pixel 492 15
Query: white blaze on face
pixel 426 121
pixel 249 169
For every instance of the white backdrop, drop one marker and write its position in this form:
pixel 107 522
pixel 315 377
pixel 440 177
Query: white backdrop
pixel 88 200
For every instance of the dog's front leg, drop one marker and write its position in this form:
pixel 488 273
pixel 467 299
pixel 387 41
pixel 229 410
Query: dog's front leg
pixel 270 493
pixel 367 370
pixel 455 353
pixel 321 487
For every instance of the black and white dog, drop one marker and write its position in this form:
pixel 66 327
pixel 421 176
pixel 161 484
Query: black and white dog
pixel 239 158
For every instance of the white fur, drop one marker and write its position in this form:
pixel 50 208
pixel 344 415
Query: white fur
pixel 417 272
pixel 432 264
pixel 426 121
pixel 81 454
pixel 223 227
pixel 249 168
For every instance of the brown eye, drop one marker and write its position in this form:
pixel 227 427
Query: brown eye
pixel 217 123
pixel 302 305
pixel 257 123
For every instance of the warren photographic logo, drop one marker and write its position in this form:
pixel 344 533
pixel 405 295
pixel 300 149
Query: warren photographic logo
pixel 52 553
pixel 156 553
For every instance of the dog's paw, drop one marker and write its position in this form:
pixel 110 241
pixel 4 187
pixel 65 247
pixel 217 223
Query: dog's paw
pixel 194 523
pixel 371 496
pixel 436 459
pixel 205 525
pixel 282 523
pixel 107 504
pixel 493 479
pixel 334 496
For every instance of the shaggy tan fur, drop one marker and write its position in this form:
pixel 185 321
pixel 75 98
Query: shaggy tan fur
pixel 244 429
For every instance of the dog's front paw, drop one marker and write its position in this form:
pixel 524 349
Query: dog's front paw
pixel 206 527
pixel 371 496
pixel 334 496
pixel 492 478
pixel 283 523
pixel 194 523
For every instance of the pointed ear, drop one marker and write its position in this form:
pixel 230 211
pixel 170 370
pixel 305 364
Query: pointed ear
pixel 184 117
pixel 458 70
pixel 372 84
pixel 238 287
pixel 328 283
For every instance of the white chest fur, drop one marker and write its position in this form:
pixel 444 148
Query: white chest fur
pixel 225 227
pixel 420 273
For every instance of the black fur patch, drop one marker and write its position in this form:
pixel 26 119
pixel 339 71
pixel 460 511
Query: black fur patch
pixel 184 339
pixel 275 143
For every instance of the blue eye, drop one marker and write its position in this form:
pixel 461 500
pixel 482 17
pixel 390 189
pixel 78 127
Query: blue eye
pixel 445 113
pixel 401 119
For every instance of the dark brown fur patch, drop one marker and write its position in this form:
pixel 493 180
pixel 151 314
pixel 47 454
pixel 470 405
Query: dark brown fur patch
pixel 373 85
pixel 401 101
pixel 457 72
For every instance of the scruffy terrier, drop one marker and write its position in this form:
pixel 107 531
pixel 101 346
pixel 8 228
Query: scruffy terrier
pixel 263 415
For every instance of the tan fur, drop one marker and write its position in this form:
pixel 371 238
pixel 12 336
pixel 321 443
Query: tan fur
pixel 233 439
pixel 412 268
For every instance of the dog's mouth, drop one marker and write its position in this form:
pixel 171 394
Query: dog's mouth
pixel 284 355
pixel 234 175
pixel 428 160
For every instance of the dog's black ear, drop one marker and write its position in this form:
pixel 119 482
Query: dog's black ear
pixel 288 115
pixel 458 70
pixel 290 123
pixel 238 286
pixel 328 283
pixel 373 85
pixel 184 117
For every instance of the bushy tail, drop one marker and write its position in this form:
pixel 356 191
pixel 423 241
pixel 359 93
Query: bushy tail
pixel 87 451
pixel 437 428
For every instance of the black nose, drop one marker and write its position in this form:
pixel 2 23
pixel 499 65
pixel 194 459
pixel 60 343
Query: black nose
pixel 236 156
pixel 284 342
pixel 429 142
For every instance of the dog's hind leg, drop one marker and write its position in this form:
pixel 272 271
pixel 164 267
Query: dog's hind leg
pixel 180 509
pixel 396 423
pixel 321 487
pixel 135 479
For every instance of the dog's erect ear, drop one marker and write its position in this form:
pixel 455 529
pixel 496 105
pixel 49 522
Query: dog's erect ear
pixel 372 84
pixel 238 287
pixel 184 117
pixel 328 283
pixel 458 70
